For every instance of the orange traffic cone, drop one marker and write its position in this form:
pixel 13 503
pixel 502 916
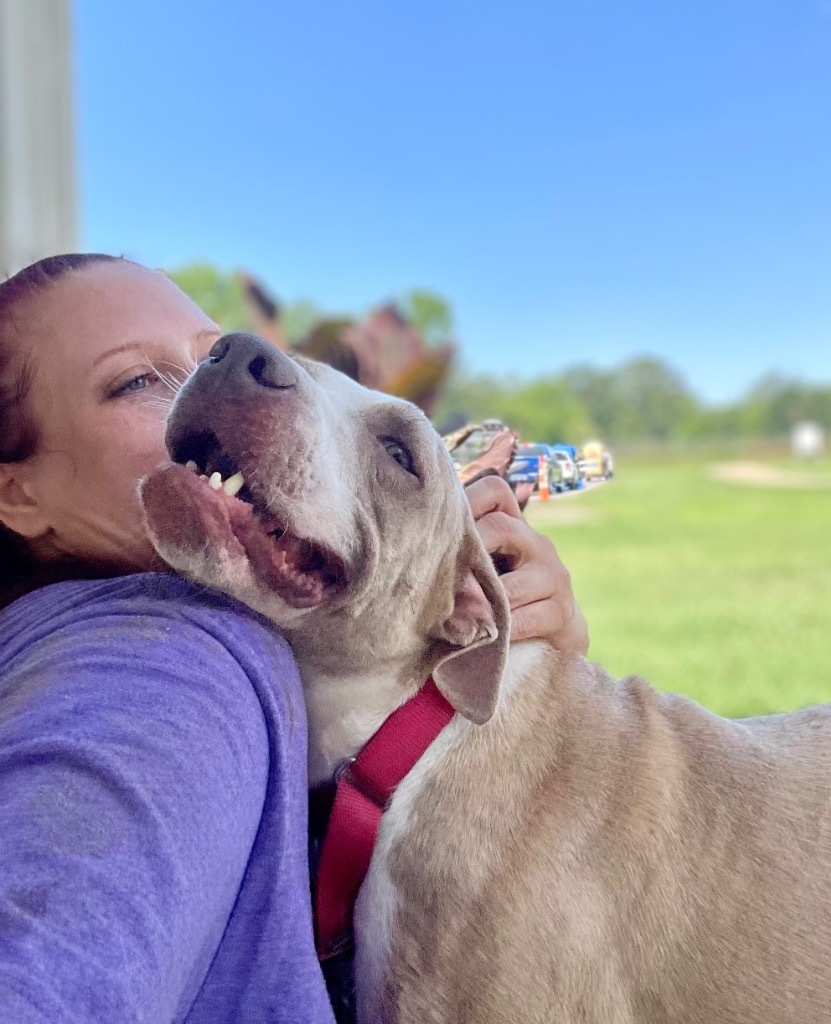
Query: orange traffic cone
pixel 544 490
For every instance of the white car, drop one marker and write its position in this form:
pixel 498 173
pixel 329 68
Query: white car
pixel 571 474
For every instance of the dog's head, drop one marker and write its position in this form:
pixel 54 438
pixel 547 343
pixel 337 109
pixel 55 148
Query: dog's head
pixel 348 528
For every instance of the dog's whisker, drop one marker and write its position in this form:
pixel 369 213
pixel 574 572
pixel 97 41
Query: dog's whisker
pixel 160 402
pixel 172 382
pixel 173 378
pixel 188 368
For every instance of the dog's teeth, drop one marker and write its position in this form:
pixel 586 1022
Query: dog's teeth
pixel 234 484
pixel 215 481
pixel 191 465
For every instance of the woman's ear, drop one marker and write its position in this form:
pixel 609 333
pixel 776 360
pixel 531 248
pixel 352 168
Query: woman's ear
pixel 19 509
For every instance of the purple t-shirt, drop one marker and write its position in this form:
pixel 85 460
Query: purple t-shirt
pixel 153 814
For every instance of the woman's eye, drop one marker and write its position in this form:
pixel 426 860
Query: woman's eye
pixel 135 384
pixel 397 451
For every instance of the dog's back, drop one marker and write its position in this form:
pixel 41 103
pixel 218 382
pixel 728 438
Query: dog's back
pixel 602 852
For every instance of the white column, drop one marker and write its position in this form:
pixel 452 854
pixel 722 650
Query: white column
pixel 37 165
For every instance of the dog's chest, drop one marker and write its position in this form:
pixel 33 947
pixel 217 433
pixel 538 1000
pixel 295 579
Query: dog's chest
pixel 419 871
pixel 380 897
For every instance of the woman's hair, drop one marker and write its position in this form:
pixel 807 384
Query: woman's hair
pixel 18 431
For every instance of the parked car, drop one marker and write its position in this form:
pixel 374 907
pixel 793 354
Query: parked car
pixel 566 455
pixel 595 461
pixel 526 467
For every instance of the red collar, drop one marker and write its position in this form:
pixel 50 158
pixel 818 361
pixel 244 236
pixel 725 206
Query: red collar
pixel 364 790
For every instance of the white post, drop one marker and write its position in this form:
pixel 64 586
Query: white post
pixel 37 165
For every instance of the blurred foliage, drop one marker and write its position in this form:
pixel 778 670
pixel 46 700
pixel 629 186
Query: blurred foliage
pixel 222 295
pixel 218 293
pixel 642 400
pixel 544 409
pixel 430 314
pixel 298 318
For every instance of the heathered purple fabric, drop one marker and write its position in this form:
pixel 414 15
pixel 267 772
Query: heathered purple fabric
pixel 153 859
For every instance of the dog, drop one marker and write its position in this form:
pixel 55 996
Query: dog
pixel 570 847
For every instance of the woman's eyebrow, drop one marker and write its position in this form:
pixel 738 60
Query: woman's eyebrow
pixel 144 346
pixel 129 346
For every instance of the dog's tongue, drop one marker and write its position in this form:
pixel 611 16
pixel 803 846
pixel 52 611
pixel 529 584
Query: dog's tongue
pixel 281 563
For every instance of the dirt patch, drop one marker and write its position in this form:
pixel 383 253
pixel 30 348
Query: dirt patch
pixel 759 474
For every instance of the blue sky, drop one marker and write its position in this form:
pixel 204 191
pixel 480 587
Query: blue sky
pixel 584 180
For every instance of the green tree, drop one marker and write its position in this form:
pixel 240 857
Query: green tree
pixel 430 314
pixel 778 402
pixel 467 398
pixel 653 398
pixel 546 409
pixel 643 399
pixel 220 294
pixel 598 392
pixel 298 318
pixel 542 409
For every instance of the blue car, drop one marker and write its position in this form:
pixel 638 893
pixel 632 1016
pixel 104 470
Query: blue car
pixel 525 468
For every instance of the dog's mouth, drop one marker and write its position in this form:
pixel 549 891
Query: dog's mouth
pixel 221 506
pixel 202 453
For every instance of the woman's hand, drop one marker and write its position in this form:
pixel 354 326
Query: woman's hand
pixel 536 581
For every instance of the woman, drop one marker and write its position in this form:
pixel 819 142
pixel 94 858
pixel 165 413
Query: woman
pixel 152 736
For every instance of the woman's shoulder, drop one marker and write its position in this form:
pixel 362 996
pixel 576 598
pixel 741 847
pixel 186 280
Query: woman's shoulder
pixel 144 596
pixel 156 618
pixel 93 594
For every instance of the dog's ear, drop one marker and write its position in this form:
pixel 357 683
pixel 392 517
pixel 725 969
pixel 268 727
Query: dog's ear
pixel 472 642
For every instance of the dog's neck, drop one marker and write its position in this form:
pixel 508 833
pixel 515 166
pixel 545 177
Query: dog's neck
pixel 344 709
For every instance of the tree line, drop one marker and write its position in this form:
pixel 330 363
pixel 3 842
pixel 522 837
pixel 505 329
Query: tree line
pixel 644 399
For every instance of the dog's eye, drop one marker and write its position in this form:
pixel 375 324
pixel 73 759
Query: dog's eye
pixel 397 451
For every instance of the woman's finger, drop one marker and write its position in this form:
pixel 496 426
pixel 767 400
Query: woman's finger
pixel 532 582
pixel 502 534
pixel 536 582
pixel 492 494
pixel 563 627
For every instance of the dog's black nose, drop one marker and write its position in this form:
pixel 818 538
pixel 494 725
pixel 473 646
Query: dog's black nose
pixel 245 359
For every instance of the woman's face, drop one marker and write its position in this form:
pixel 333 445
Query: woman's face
pixel 102 340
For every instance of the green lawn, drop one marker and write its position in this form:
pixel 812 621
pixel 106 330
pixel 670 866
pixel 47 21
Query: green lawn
pixel 717 590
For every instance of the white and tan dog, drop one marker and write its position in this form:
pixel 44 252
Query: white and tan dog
pixel 571 848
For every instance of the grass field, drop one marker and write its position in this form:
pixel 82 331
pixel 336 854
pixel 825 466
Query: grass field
pixel 717 589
